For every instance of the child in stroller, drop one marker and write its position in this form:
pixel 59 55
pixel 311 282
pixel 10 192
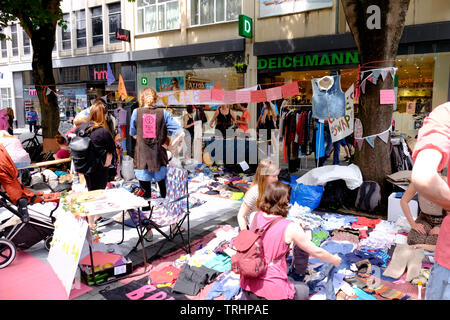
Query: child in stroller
pixel 25 228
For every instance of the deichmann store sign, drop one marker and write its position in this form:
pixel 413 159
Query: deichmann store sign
pixel 299 61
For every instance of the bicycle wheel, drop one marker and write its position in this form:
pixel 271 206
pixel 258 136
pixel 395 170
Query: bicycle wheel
pixel 7 252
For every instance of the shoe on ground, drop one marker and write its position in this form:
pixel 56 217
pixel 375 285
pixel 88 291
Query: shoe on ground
pixel 100 222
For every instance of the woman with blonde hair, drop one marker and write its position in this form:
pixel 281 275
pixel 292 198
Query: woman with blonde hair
pixel 103 149
pixel 150 126
pixel 266 173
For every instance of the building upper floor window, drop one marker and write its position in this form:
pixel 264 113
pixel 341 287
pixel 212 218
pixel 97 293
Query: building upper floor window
pixel 26 43
pixel 114 21
pixel 4 48
pixel 214 11
pixel 81 28
pixel 14 42
pixel 97 26
pixel 65 33
pixel 157 15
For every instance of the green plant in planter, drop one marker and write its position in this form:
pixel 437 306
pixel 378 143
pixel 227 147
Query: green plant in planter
pixel 241 67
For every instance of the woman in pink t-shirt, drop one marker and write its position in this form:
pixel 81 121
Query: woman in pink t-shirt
pixel 274 284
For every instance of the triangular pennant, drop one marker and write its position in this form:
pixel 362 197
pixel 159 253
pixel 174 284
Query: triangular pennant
pixel 384 73
pixel 177 96
pixel 165 100
pixel 109 75
pixel 376 74
pixel 371 140
pixel 363 86
pixel 48 91
pixel 392 70
pixel 122 90
pixel 359 143
pixel 384 136
pixel 372 78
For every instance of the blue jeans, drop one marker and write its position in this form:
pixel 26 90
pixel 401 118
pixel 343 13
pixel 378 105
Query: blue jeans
pixel 438 287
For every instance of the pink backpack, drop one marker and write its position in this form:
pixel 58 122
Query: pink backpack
pixel 249 259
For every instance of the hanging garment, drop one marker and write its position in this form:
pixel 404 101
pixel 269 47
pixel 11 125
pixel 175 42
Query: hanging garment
pixel 328 99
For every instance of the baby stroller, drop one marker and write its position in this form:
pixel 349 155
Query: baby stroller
pixel 25 228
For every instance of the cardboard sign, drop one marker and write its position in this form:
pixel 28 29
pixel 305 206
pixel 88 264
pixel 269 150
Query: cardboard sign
pixel 387 96
pixel 149 126
pixel 204 95
pixel 258 96
pixel 243 96
pixel 66 247
pixel 343 126
pixel 290 89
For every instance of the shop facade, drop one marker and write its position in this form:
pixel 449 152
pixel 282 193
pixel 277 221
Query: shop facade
pixel 422 77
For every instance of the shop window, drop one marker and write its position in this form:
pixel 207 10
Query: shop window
pixel 26 44
pixel 65 33
pixel 157 15
pixel 114 20
pixel 97 26
pixel 15 44
pixel 81 28
pixel 6 99
pixel 214 11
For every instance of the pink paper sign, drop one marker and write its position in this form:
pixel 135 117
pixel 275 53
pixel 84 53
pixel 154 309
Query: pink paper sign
pixel 258 96
pixel 387 96
pixel 204 95
pixel 217 94
pixel 274 94
pixel 290 89
pixel 229 96
pixel 149 125
pixel 243 97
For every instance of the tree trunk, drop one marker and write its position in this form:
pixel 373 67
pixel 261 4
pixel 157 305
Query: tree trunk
pixel 379 46
pixel 43 40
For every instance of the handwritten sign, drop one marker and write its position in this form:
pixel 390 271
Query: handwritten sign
pixel 66 247
pixel 258 96
pixel 343 126
pixel 204 95
pixel 217 94
pixel 274 94
pixel 290 89
pixel 387 96
pixel 229 96
pixel 243 96
pixel 149 125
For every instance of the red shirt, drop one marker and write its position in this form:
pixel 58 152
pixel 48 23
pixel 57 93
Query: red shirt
pixel 245 117
pixel 435 134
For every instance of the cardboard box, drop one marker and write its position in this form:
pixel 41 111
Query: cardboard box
pixel 120 269
pixel 395 210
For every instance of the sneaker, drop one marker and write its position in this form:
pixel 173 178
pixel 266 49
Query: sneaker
pixel 100 222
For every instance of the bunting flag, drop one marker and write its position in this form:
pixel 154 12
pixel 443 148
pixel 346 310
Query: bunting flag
pixel 48 91
pixel 122 90
pixel 359 142
pixel 217 94
pixel 370 140
pixel 384 73
pixel 258 96
pixel 109 75
pixel 243 96
pixel 165 100
pixel 363 86
pixel 177 96
pixel 384 136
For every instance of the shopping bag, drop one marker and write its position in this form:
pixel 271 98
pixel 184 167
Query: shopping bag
pixel 306 195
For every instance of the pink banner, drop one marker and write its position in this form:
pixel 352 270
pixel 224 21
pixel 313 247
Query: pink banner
pixel 258 96
pixel 229 96
pixel 274 94
pixel 204 95
pixel 243 97
pixel 217 94
pixel 149 125
pixel 290 89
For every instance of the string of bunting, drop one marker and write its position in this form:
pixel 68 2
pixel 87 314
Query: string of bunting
pixel 384 136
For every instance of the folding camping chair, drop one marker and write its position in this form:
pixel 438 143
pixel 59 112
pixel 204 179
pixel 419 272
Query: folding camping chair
pixel 167 212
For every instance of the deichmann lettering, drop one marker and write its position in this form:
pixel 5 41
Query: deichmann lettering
pixel 315 60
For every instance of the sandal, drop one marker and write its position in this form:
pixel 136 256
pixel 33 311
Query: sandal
pixel 148 237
